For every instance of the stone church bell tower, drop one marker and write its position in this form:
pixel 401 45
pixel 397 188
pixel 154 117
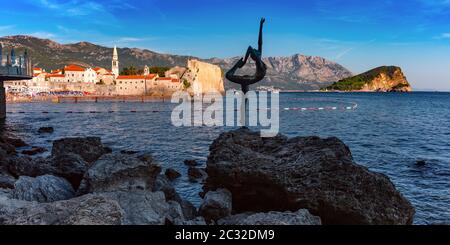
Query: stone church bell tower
pixel 115 63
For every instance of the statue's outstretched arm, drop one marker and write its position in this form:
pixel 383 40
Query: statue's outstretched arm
pixel 260 40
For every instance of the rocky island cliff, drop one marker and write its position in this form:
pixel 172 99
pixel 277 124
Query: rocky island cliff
pixel 380 79
pixel 199 77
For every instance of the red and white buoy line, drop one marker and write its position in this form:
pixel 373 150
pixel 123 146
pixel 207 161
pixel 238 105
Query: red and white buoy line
pixel 83 112
pixel 347 106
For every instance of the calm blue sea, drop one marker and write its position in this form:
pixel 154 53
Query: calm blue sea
pixel 388 133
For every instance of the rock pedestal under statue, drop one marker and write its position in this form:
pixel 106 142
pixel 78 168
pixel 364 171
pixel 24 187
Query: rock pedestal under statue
pixel 2 101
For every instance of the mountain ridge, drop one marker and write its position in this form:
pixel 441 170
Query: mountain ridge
pixel 295 72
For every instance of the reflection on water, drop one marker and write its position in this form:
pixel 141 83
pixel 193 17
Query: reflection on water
pixel 387 133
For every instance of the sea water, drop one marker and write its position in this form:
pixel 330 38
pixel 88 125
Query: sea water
pixel 387 132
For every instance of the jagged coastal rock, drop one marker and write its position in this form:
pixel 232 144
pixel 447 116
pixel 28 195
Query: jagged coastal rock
pixel 162 183
pixel 6 180
pixel 216 205
pixel 34 151
pixel 85 210
pixel 381 79
pixel 301 217
pixel 46 188
pixel 140 207
pixel 251 181
pixel 90 148
pixel 46 130
pixel 191 163
pixel 172 174
pixel 120 172
pixel 281 174
pixel 26 166
pixel 196 174
pixel 69 166
pixel 116 189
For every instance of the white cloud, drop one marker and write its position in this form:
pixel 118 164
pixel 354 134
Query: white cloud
pixel 130 39
pixel 49 4
pixel 86 8
pixel 343 53
pixel 445 35
pixel 43 34
pixel 74 8
pixel 5 28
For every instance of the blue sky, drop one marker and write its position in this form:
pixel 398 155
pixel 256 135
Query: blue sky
pixel 360 35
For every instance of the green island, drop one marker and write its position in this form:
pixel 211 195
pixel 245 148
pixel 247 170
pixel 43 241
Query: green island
pixel 380 79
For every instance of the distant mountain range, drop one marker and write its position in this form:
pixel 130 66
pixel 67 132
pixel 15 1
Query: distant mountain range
pixel 297 72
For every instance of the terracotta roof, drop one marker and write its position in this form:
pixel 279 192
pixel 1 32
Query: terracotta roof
pixel 165 78
pixel 130 77
pixel 73 68
pixel 174 80
pixel 151 76
pixel 54 75
pixel 135 77
pixel 37 69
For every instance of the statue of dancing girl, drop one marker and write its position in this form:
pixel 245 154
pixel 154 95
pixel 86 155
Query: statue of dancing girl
pixel 246 80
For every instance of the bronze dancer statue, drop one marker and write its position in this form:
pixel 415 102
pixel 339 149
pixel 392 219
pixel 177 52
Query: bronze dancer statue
pixel 261 68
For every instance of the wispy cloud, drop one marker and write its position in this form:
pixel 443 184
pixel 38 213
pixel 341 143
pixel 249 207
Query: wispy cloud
pixel 360 13
pixel 445 35
pixel 351 46
pixel 49 4
pixel 86 8
pixel 343 53
pixel 139 42
pixel 43 34
pixel 120 4
pixel 130 39
pixel 435 6
pixel 5 28
pixel 436 3
pixel 81 8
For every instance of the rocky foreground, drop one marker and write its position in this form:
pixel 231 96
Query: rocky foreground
pixel 250 181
